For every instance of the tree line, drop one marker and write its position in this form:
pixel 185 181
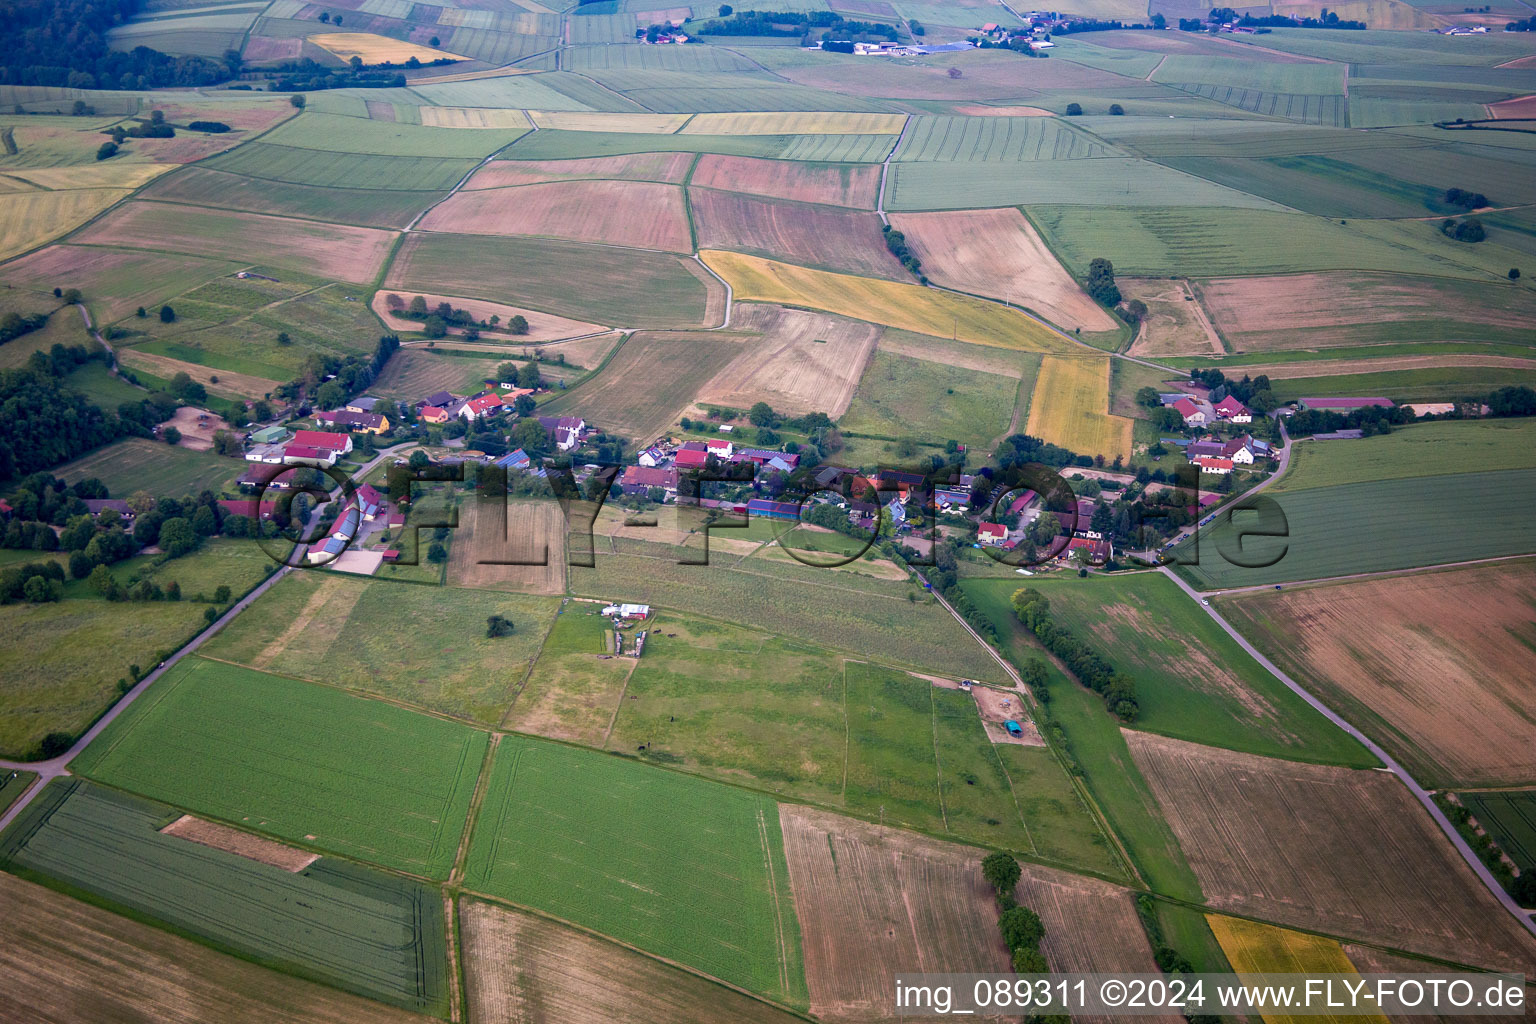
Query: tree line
pixel 1117 688
pixel 64 43
pixel 789 24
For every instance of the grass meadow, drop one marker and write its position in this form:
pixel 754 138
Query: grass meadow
pixel 1422 449
pixel 306 763
pixel 900 396
pixel 139 464
pixel 339 923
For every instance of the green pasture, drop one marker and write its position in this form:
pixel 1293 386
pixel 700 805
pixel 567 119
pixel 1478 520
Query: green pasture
pixel 340 170
pixel 139 464
pixel 996 140
pixel 339 923
pixel 1261 76
pixel 681 867
pixel 1372 526
pixel 1418 450
pixel 1396 48
pixel 528 92
pixel 306 763
pixel 1447 383
pixel 335 134
pixel 899 396
pixel 1091 185
pixel 572 692
pixel 13 783
pixel 102 387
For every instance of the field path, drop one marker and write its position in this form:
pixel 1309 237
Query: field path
pixel 1159 64
pixel 1473 861
pixel 885 167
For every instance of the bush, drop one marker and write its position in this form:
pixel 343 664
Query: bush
pixel 106 151
pixel 54 744
pixel 1074 110
pixel 167 315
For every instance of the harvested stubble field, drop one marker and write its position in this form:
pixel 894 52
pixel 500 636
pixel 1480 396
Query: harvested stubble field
pixel 28 219
pixel 648 383
pixel 795 123
pixel 1012 140
pixel 1070 406
pixel 681 867
pixel 624 124
pixel 376 49
pixel 907 306
pixel 666 167
pixel 998 253
pixel 1175 324
pixel 1434 665
pixel 64 959
pixel 492 534
pixel 602 284
pixel 1330 849
pixel 1255 948
pixel 800 362
pixel 289 758
pixel 358 929
pixel 640 214
pixel 541 326
pixel 855 185
pixel 349 632
pixel 984 77
pixel 1338 309
pixel 228 385
pixel 242 844
pixel 381 208
pixel 1370 960
pixel 473 117
pixel 842 240
pixel 327 250
pixel 325 168
pixel 519 967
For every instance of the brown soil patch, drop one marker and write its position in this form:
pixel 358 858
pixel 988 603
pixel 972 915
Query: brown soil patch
pixel 980 110
pixel 856 185
pixel 521 968
pixel 714 293
pixel 328 250
pixel 801 362
pixel 1265 313
pixel 241 844
pixel 532 528
pixel 1444 658
pixel 229 384
pixel 640 214
pixel 989 704
pixel 197 426
pixel 1334 850
pixel 1175 324
pixel 1520 106
pixel 998 253
pixel 819 236
pixel 664 167
pixel 876 901
pixel 541 326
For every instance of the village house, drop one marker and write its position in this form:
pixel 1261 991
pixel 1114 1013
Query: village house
pixel 1094 552
pixel 440 399
pixel 434 414
pixel 480 408
pixel 719 448
pixel 1193 416
pixel 316 448
pixel 350 419
pixel 991 534
pixel 364 403
pixel 638 481
pixel 250 507
pixel 96 506
pixel 275 434
pixel 1213 464
pixel 692 455
pixel 651 457
pixel 1233 411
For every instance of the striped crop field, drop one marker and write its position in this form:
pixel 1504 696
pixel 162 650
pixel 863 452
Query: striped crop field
pixel 796 123
pixel 593 121
pixel 1012 139
pixel 341 170
pixel 472 117
pixel 1071 406
pixel 376 49
pixel 28 219
pixel 907 306
pixel 1510 818
pixel 1254 948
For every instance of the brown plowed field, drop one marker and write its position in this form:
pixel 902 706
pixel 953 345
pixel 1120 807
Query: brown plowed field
pixel 1369 960
pixel 1328 309
pixel 521 969
pixel 997 253
pixel 532 529
pixel 875 901
pixel 855 185
pixel 668 167
pixel 802 362
pixel 1442 661
pixel 1175 324
pixel 1337 850
pixel 818 236
pixel 639 214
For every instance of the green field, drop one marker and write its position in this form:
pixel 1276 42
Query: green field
pixel 555 144
pixel 333 134
pixel 1510 819
pixel 340 170
pixel 1192 680
pixel 1421 449
pixel 899 396
pixel 597 283
pixel 102 387
pixel 1374 526
pixel 1114 182
pixel 306 763
pixel 355 633
pixel 1094 742
pixel 335 922
pixel 13 783
pixel 681 867
pixel 1448 384
pixel 996 139
pixel 379 207
pixel 64 660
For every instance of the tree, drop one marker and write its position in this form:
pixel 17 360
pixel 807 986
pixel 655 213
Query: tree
pixel 955 72
pixel 434 326
pixel 1524 888
pixel 141 313
pixel 726 10
pixel 1029 961
pixel 55 743
pixel 434 41
pixel 157 116
pixel 437 554
pixel 1074 110
pixel 102 581
pixel 418 306
pixel 1149 397
pixel 1514 273
pixel 80 566
pixel 1021 928
pixel 171 435
pixel 204 522
pixel 498 626
pixel 325 17
pixel 356 62
pixel 41 590
pixel 761 415
pixel 177 537
pixel 1101 282
pixel 211 614
pixel 518 324
pixel 1001 871
pixel 221 594
pixel 1116 109
pixel 106 151
pixel 297 101
pixel 330 395
pixel 167 315
pixel 529 376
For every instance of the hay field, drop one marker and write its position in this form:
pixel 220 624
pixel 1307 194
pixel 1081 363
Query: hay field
pixel 848 241
pixel 376 49
pixel 597 121
pixel 801 362
pixel 1297 311
pixel 855 185
pixel 1329 849
pixel 327 250
pixel 521 968
pixel 648 384
pixel 1070 406
pixel 1434 665
pixel 108 174
pixel 907 306
pixel 1255 948
pixel 491 533
pixel 668 167
pixel 541 326
pixel 473 117
pixel 999 254
pixel 28 219
pixel 61 955
pixel 795 123
pixel 638 214
pixel 1175 324
pixel 899 396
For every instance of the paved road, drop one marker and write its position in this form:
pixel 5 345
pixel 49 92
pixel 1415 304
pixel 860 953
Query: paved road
pixel 1482 872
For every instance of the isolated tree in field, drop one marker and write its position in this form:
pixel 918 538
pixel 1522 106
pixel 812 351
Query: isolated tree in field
pixel 356 62
pixel 437 553
pixel 1101 282
pixel 171 435
pixel 1116 109
pixel 211 615
pixel 336 20
pixel 1514 273
pixel 157 117
pixel 518 324
pixel 1001 871
pixel 222 594
pixel 1021 928
pixel 325 17
pixel 498 626
pixel 106 151
pixel 283 339
pixel 434 41
pixel 726 10
pixel 297 101
pixel 141 313
pixel 1074 110
pixel 167 315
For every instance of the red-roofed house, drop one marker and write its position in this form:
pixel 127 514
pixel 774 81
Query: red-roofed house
pixel 1095 552
pixel 719 448
pixel 485 405
pixel 432 414
pixel 339 443
pixel 692 455
pixel 1213 464
pixel 305 455
pixel 248 507
pixel 1231 409
pixel 991 534
pixel 640 480
pixel 1193 417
